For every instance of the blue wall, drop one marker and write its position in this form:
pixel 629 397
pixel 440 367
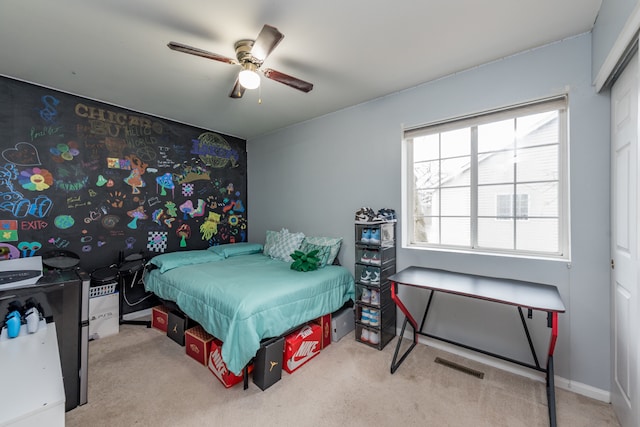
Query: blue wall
pixel 313 176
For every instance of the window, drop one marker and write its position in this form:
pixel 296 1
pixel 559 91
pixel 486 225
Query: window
pixel 494 182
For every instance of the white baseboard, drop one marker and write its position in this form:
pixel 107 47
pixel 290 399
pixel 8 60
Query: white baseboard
pixel 560 382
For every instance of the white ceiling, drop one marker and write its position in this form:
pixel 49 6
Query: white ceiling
pixel 352 51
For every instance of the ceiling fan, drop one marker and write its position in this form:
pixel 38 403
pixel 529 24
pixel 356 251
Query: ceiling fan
pixel 250 55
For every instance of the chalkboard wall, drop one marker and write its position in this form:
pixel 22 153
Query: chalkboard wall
pixel 101 181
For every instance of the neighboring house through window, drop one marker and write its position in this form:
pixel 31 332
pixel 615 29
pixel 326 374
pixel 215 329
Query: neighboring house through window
pixel 493 182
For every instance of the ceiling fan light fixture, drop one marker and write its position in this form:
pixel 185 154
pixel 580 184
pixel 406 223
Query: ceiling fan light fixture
pixel 248 77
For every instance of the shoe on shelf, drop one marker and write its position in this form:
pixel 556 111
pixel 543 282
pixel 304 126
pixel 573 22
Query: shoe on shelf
pixel 386 215
pixel 364 335
pixel 374 238
pixel 365 277
pixel 366 235
pixel 366 296
pixel 366 257
pixel 365 215
pixel 374 297
pixel 374 278
pixel 374 337
pixel 374 317
pixel 374 258
pixel 365 316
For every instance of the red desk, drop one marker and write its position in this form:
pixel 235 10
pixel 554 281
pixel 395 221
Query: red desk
pixel 528 295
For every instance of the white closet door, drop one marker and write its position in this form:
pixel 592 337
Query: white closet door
pixel 624 240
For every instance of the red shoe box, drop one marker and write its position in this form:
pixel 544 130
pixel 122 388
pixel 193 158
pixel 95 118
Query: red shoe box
pixel 160 318
pixel 219 368
pixel 325 324
pixel 301 346
pixel 197 343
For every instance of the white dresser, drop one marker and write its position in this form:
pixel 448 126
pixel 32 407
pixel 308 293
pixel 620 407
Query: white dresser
pixel 32 392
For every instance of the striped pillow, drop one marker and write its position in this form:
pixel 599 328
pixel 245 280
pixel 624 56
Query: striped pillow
pixel 285 245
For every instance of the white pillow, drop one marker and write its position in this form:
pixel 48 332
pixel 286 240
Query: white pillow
pixel 285 245
pixel 270 241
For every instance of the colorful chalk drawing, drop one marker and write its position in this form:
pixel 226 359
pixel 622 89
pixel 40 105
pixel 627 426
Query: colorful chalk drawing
pixel 8 230
pixel 110 221
pixel 191 173
pixel 187 190
pixel 210 226
pixel 35 179
pixel 22 154
pixel 29 249
pixel 64 152
pixel 184 232
pixel 214 151
pixel 166 183
pixel 49 112
pixel 138 167
pixel 71 177
pixel 83 170
pixel 9 252
pixel 136 214
pixel 64 222
pixel 14 202
pixel 157 241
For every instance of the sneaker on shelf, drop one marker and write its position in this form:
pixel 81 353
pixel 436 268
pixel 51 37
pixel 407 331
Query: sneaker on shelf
pixel 366 296
pixel 375 236
pixel 374 278
pixel 373 337
pixel 386 215
pixel 365 215
pixel 366 257
pixel 374 296
pixel 365 277
pixel 365 316
pixel 374 258
pixel 364 336
pixel 374 317
pixel 366 235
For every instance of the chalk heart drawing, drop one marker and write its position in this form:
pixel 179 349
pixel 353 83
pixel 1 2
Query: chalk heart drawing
pixel 23 154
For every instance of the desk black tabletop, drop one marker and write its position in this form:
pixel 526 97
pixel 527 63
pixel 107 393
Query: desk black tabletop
pixel 536 296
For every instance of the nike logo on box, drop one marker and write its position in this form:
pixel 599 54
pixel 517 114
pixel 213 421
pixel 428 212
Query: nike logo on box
pixel 307 351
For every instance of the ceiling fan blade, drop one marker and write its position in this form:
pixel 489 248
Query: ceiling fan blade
pixel 267 40
pixel 237 91
pixel 199 52
pixel 288 80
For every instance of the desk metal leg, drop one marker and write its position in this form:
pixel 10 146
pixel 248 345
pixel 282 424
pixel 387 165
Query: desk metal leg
pixel 551 389
pixel 526 332
pixel 395 365
pixel 551 393
pixel 407 319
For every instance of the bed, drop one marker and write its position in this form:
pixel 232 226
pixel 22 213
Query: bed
pixel 242 296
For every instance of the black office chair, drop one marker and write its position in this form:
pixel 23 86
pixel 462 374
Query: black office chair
pixel 129 274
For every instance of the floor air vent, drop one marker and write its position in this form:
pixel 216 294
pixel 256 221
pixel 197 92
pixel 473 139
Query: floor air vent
pixel 460 368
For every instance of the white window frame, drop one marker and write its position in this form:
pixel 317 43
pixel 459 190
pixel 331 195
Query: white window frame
pixel 559 103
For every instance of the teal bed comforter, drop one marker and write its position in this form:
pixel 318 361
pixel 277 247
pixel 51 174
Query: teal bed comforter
pixel 242 299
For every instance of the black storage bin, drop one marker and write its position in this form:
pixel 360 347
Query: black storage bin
pixel 267 368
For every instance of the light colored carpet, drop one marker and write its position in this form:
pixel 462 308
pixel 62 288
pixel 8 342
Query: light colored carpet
pixel 140 377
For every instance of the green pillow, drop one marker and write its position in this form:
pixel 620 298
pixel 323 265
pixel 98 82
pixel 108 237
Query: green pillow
pixel 324 252
pixel 333 243
pixel 233 249
pixel 168 261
